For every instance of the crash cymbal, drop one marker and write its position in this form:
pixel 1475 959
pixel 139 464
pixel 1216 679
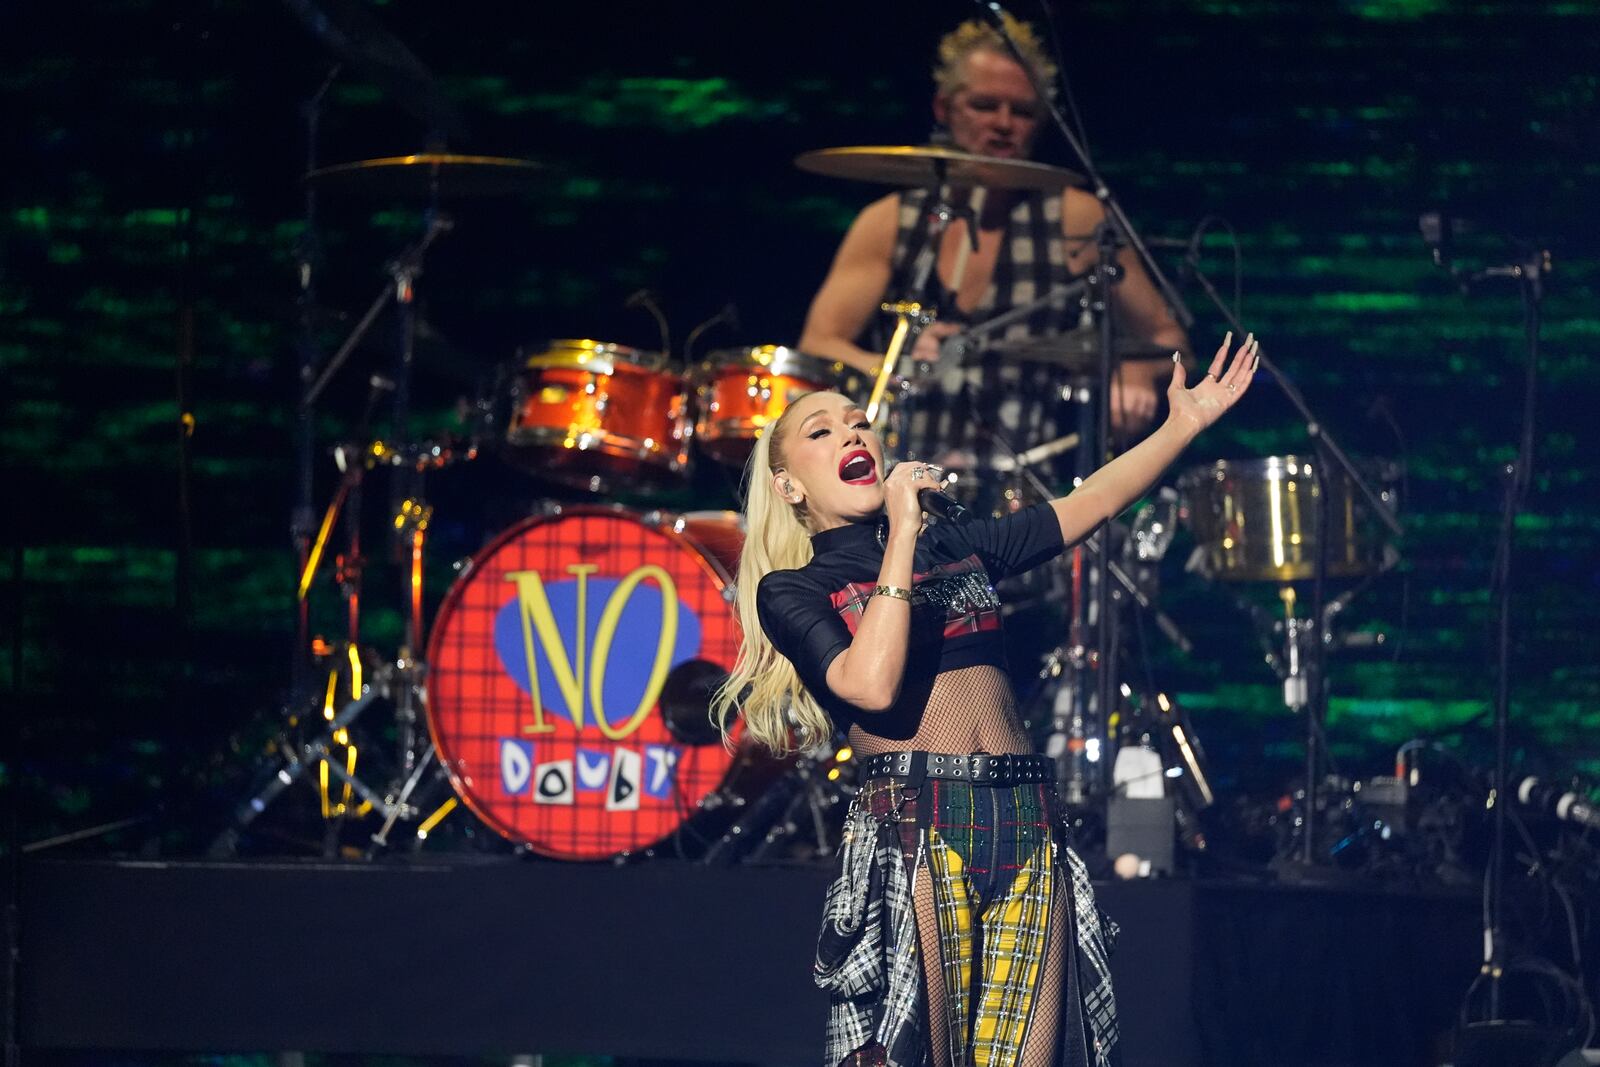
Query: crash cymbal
pixel 421 177
pixel 922 165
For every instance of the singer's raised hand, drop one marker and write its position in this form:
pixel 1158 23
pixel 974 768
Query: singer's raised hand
pixel 1224 383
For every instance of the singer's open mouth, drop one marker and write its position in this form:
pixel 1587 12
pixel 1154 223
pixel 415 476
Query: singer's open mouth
pixel 858 468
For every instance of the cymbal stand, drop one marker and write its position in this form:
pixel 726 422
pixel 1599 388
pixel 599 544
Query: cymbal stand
pixel 410 518
pixel 411 514
pixel 308 261
pixel 916 310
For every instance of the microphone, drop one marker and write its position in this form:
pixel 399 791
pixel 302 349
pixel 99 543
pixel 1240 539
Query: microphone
pixel 943 506
pixel 1437 231
pixel 1564 804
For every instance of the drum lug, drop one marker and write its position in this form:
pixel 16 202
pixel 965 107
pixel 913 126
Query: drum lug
pixel 546 509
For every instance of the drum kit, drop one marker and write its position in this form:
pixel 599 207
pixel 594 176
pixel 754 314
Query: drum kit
pixel 561 691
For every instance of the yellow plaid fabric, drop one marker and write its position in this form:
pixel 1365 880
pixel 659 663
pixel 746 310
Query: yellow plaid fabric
pixel 1015 927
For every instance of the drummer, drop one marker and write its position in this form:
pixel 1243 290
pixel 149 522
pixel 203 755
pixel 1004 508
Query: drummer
pixel 1028 244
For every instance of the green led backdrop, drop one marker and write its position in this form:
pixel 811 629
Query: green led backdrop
pixel 152 154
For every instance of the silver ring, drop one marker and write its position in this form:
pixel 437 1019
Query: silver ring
pixel 1232 388
pixel 917 472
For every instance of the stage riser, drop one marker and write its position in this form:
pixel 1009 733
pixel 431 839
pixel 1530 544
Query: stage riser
pixel 665 961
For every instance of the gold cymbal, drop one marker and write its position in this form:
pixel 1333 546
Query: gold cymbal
pixel 922 165
pixel 442 174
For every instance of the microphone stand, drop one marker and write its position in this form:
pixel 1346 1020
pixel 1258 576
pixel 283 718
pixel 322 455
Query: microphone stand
pixel 1116 217
pixel 1117 231
pixel 1529 273
pixel 1328 450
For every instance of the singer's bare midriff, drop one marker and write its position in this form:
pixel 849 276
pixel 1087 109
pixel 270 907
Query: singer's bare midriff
pixel 969 710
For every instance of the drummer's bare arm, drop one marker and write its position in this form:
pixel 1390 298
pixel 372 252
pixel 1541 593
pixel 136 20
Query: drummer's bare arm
pixel 1105 493
pixel 1141 313
pixel 854 287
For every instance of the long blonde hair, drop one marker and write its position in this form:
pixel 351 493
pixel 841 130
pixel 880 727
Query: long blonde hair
pixel 764 687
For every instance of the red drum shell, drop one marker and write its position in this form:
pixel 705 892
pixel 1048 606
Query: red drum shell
pixel 599 416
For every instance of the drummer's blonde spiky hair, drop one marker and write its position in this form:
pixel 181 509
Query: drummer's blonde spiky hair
pixel 975 36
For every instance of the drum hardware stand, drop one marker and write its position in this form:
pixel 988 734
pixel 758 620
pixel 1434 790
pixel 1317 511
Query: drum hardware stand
pixel 957 347
pixel 1115 232
pixel 1529 272
pixel 1328 454
pixel 911 319
pixel 815 795
pixel 807 788
pixel 296 760
pixel 917 313
pixel 400 680
pixel 1070 728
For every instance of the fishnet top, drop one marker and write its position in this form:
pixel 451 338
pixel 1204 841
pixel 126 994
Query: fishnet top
pixel 968 710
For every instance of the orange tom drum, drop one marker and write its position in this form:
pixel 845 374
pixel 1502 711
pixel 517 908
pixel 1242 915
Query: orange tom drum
pixel 569 677
pixel 599 416
pixel 738 391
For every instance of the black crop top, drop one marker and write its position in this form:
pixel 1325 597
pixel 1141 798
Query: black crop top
pixel 811 614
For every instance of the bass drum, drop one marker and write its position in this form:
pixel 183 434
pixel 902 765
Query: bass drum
pixel 569 674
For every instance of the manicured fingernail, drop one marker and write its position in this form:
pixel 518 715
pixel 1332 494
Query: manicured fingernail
pixel 1174 357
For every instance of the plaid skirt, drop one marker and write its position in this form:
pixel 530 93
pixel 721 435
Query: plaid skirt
pixel 996 861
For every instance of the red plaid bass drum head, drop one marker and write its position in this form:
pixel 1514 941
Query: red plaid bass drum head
pixel 547 667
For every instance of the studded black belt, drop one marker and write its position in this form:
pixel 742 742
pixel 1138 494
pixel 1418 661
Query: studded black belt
pixel 982 768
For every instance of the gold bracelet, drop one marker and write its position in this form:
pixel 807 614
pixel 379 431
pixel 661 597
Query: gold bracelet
pixel 893 591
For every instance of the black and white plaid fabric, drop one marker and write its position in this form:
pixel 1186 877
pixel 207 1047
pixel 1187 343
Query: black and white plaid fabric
pixel 1097 936
pixel 1022 401
pixel 867 954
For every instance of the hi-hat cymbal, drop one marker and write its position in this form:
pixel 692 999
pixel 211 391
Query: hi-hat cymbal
pixel 421 177
pixel 1076 350
pixel 923 165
